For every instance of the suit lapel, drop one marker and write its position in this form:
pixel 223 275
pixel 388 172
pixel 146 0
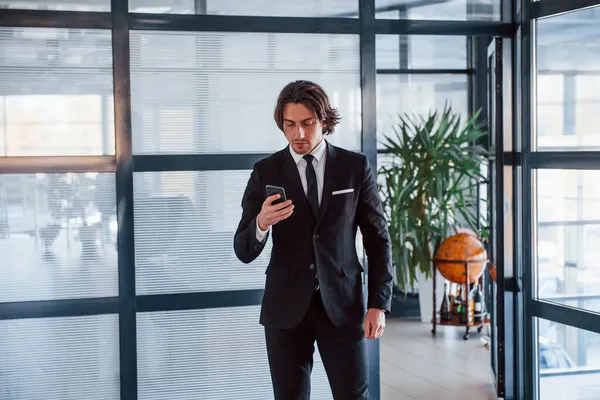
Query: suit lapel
pixel 294 189
pixel 330 165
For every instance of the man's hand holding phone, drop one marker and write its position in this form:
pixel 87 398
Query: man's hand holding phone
pixel 270 214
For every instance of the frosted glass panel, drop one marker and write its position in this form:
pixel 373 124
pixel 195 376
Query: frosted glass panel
pixel 217 354
pixel 184 227
pixel 58 236
pixel 267 8
pixel 60 5
pixel 70 358
pixel 211 92
pixel 56 92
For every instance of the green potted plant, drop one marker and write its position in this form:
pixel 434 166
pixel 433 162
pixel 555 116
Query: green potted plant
pixel 427 182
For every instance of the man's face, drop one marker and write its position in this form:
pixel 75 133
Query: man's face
pixel 301 127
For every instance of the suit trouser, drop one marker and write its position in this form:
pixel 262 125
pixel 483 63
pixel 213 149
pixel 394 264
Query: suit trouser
pixel 343 351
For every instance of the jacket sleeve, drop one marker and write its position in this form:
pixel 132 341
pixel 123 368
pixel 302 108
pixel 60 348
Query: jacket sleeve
pixel 245 243
pixel 376 241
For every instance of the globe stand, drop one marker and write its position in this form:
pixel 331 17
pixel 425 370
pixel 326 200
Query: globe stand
pixel 456 321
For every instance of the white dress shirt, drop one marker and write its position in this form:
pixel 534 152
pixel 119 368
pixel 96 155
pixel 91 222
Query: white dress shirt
pixel 320 155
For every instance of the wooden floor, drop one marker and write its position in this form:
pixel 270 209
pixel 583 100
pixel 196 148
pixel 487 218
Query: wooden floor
pixel 418 366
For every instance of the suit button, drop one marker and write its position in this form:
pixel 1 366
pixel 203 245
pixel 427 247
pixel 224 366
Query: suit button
pixel 316 236
pixel 312 266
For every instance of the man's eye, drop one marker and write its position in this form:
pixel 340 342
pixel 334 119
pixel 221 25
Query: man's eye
pixel 308 123
pixel 289 124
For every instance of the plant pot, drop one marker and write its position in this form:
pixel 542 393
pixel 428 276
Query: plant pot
pixel 425 287
pixel 404 305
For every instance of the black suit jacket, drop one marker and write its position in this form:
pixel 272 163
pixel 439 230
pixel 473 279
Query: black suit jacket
pixel 327 243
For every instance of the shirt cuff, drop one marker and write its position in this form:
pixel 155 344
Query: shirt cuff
pixel 260 234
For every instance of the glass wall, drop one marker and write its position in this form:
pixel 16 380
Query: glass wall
pixel 128 130
pixel 274 8
pixel 471 10
pixel 565 224
pixel 57 92
pixel 568 81
pixel 569 361
pixel 58 229
pixel 419 74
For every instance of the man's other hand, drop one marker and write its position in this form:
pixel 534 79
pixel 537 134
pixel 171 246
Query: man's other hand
pixel 270 214
pixel 374 323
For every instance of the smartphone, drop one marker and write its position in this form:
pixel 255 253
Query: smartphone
pixel 271 190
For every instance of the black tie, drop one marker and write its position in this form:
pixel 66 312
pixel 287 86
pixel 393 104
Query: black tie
pixel 311 193
pixel 311 185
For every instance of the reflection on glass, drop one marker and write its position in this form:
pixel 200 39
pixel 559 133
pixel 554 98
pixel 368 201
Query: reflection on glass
pixel 463 10
pixel 58 236
pixel 568 362
pixel 213 92
pixel 65 358
pixel 59 5
pixel 568 81
pixel 418 94
pixel 568 233
pixel 56 92
pixel 427 52
pixel 266 8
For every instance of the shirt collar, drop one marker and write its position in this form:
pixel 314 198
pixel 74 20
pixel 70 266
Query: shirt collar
pixel 318 152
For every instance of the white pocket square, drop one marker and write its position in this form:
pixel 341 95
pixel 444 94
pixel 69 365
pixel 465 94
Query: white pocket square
pixel 342 191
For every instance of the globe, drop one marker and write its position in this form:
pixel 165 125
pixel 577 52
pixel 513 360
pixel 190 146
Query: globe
pixel 461 247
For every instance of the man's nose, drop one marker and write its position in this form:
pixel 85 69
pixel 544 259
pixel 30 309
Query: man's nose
pixel 301 133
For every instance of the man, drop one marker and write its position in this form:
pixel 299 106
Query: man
pixel 314 286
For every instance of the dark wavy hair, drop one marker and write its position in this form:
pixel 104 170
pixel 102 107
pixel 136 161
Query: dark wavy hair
pixel 314 98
